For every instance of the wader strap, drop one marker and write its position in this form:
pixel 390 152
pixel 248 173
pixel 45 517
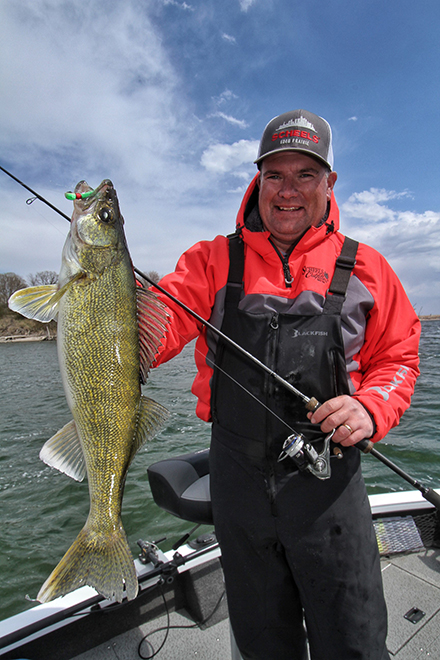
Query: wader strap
pixel 234 286
pixel 337 291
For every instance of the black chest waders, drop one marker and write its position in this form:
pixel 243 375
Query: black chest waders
pixel 290 542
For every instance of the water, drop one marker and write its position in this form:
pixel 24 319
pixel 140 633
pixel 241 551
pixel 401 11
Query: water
pixel 43 510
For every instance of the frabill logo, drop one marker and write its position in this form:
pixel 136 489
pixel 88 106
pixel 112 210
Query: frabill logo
pixel 317 274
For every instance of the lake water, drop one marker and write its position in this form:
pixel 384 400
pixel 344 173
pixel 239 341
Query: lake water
pixel 43 510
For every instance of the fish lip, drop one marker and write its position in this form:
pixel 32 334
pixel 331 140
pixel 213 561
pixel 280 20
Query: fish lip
pixel 105 192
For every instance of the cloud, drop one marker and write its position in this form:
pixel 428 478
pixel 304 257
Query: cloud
pixel 225 97
pixel 367 205
pixel 229 38
pixel 245 4
pixel 232 120
pixel 352 118
pixel 87 85
pixel 181 5
pixel 410 241
pixel 230 158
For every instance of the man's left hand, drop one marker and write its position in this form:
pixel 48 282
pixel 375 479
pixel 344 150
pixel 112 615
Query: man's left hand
pixel 347 416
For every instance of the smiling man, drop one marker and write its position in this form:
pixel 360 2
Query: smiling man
pixel 330 316
pixel 295 190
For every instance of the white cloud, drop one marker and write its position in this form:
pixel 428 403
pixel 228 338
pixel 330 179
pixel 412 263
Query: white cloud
pixel 229 38
pixel 352 118
pixel 224 97
pixel 181 5
pixel 366 205
pixel 410 241
pixel 232 120
pixel 93 84
pixel 230 158
pixel 245 4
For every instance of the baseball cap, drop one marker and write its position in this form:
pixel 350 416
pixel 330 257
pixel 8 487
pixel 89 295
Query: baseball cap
pixel 298 130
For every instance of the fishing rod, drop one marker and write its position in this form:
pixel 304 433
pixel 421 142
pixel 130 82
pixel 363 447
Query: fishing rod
pixel 37 196
pixel 428 493
pixel 312 404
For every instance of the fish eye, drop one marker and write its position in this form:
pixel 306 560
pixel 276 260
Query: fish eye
pixel 105 214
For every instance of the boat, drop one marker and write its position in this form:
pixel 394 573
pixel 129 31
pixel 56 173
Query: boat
pixel 181 609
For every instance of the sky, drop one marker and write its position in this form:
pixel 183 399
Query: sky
pixel 169 98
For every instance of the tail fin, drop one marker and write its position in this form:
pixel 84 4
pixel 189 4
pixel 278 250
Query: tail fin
pixel 100 560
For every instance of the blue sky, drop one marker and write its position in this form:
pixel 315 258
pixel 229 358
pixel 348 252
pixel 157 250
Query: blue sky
pixel 169 98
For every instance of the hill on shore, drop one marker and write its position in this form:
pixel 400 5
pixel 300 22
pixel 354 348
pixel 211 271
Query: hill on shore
pixel 13 325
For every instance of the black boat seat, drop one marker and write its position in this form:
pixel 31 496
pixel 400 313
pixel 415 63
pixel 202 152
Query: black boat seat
pixel 180 486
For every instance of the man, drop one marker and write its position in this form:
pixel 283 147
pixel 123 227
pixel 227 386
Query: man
pixel 330 317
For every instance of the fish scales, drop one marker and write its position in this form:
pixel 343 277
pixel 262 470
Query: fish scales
pixel 102 359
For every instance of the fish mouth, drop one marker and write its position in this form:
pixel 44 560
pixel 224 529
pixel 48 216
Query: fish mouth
pixel 105 191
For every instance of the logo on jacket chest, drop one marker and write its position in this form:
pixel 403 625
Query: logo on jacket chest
pixel 316 273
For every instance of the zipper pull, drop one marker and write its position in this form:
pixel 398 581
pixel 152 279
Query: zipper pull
pixel 288 279
pixel 274 322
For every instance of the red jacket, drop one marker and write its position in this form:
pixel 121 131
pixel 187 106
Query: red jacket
pixel 380 328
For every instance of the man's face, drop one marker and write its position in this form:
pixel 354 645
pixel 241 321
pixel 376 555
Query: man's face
pixel 294 191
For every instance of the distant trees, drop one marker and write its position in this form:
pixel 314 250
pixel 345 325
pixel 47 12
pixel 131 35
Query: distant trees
pixel 10 282
pixel 152 275
pixel 43 277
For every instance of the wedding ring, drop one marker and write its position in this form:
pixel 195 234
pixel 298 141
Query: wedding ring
pixel 348 428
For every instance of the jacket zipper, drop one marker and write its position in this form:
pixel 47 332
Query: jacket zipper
pixel 288 279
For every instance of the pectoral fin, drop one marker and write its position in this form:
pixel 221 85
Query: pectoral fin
pixel 36 302
pixel 40 302
pixel 63 452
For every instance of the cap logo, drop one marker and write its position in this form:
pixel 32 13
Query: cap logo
pixel 299 121
pixel 296 136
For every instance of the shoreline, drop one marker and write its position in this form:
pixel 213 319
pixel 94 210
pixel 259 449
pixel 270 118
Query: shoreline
pixel 12 339
pixel 8 339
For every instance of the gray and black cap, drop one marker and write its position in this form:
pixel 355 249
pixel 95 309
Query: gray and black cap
pixel 298 130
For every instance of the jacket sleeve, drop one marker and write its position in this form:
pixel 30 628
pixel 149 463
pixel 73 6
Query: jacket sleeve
pixel 197 277
pixel 389 357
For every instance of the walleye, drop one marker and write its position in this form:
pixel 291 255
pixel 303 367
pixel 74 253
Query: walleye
pixel 104 354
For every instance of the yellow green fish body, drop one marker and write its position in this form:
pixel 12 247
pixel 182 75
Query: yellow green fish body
pixel 102 359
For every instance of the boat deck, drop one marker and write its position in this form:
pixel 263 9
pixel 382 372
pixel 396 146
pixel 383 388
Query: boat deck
pixel 413 581
pixel 213 643
pixel 191 587
pixel 410 581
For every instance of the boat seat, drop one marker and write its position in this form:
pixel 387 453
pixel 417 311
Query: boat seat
pixel 180 486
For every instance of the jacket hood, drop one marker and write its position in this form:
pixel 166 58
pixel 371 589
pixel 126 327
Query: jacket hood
pixel 249 222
